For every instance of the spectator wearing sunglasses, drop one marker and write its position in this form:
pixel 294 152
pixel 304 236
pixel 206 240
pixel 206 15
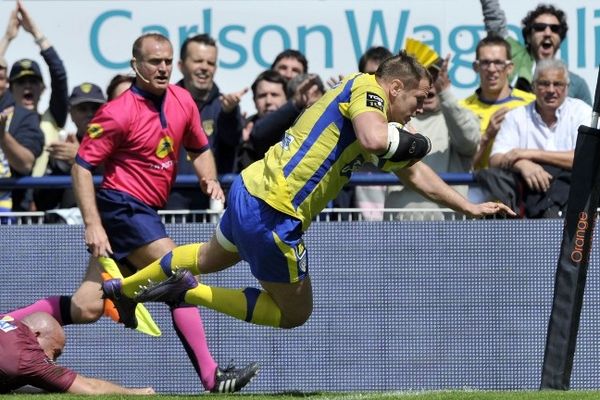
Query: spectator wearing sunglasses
pixel 544 29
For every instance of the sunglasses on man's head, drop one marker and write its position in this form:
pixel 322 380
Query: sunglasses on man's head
pixel 541 27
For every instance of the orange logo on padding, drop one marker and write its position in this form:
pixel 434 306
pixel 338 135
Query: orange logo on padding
pixel 578 255
pixel 95 130
pixel 165 146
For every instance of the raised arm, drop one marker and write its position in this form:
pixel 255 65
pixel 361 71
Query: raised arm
pixel 12 28
pixel 463 125
pixel 229 120
pixel 59 95
pixel 30 26
pixel 494 18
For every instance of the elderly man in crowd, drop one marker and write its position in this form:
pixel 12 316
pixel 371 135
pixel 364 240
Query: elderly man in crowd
pixel 537 142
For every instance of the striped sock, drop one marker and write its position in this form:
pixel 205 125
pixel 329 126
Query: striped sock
pixel 249 304
pixel 185 256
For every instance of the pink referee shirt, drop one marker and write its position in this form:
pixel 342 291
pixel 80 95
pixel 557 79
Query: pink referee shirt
pixel 138 138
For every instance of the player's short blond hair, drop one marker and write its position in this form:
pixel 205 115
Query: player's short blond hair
pixel 404 67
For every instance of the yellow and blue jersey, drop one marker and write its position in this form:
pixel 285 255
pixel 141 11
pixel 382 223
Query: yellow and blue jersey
pixel 317 155
pixel 485 109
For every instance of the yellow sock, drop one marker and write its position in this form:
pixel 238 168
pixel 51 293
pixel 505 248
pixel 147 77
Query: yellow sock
pixel 185 256
pixel 250 304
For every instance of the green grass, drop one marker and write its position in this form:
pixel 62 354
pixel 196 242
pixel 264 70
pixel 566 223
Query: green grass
pixel 420 395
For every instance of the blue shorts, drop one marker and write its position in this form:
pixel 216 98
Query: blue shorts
pixel 128 222
pixel 269 240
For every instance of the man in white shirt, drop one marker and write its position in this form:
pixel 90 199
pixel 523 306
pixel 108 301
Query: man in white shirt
pixel 545 131
pixel 540 138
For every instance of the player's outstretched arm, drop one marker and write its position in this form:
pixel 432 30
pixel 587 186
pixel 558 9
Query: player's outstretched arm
pixel 424 180
pixel 84 385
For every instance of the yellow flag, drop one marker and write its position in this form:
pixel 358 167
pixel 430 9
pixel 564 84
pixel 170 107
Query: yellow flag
pixel 145 322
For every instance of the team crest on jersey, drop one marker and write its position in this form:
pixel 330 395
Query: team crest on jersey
pixel 165 146
pixel 208 126
pixel 301 258
pixel 286 141
pixel 5 324
pixel 352 166
pixel 374 101
pixel 95 130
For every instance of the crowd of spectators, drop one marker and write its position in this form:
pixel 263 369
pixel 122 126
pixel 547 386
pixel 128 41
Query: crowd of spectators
pixel 517 84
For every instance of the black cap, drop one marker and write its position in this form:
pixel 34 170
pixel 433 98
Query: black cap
pixel 23 68
pixel 87 93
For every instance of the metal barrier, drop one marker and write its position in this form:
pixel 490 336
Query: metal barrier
pixel 203 216
pixel 357 179
pixel 22 218
pixel 212 216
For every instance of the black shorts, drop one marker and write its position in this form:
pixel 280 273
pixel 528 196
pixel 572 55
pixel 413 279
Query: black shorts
pixel 128 222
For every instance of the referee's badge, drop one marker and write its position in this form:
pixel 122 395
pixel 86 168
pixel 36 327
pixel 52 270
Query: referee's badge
pixel 95 130
pixel 165 146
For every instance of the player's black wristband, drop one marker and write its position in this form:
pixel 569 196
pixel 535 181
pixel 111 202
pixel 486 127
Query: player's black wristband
pixel 411 146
